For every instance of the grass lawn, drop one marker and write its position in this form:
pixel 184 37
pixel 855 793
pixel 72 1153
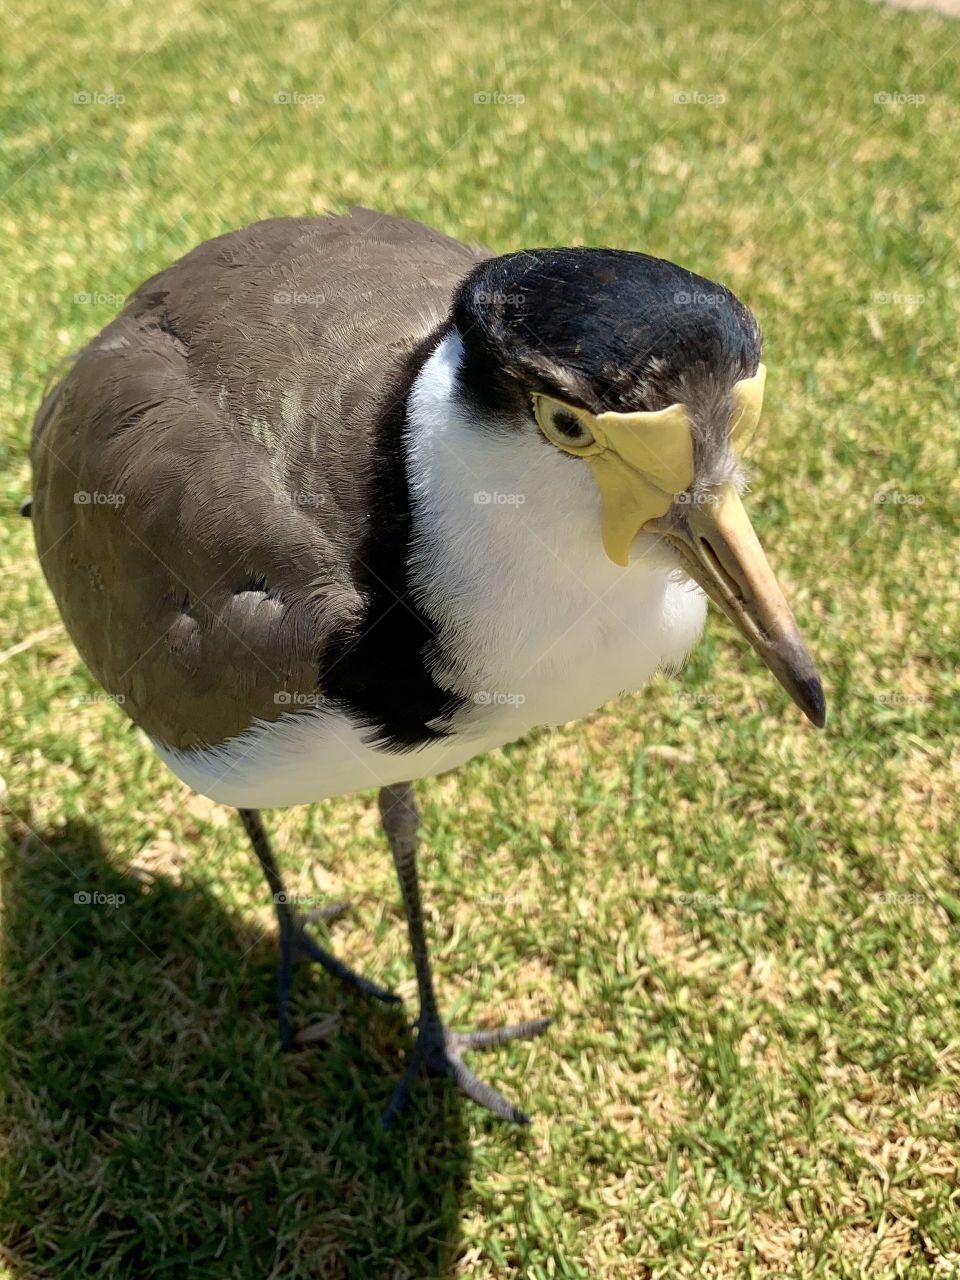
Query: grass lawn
pixel 746 929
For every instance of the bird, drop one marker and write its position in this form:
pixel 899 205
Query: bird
pixel 338 503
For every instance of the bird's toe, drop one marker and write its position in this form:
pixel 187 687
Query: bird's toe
pixel 310 950
pixel 459 1041
pixel 440 1052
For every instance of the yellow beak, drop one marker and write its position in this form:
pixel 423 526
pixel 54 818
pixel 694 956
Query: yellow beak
pixel 721 553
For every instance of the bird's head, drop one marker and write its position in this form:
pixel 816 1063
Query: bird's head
pixel 650 376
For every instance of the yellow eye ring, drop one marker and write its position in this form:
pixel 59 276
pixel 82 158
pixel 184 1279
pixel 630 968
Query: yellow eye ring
pixel 562 424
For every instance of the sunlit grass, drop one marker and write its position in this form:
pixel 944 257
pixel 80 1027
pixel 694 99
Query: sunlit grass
pixel 747 929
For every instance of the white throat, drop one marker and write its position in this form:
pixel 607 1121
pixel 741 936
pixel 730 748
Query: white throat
pixel 507 559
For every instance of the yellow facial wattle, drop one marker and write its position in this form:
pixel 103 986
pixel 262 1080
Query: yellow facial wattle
pixel 641 461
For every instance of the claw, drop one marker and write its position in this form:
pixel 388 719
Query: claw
pixel 441 1052
pixel 487 1036
pixel 311 951
pixel 297 945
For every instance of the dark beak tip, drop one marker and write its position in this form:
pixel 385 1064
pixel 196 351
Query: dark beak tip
pixel 812 702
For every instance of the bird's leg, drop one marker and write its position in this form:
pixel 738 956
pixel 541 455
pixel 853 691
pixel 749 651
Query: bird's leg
pixel 437 1049
pixel 295 943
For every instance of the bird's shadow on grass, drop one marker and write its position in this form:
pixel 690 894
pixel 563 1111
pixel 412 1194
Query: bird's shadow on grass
pixel 153 1128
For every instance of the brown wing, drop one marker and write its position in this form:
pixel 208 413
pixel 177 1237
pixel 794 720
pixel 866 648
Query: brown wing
pixel 202 473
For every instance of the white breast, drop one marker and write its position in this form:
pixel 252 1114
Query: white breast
pixel 541 627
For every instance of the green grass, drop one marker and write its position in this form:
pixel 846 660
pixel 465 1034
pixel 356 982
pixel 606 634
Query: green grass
pixel 750 939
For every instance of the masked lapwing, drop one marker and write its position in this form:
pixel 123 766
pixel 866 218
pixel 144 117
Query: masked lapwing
pixel 338 503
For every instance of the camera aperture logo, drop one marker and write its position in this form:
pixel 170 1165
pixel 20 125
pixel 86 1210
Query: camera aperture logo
pixel 292 298
pixel 294 698
pixel 702 499
pixel 305 501
pixel 886 298
pixel 896 98
pixel 84 498
pixel 286 899
pixel 887 497
pixel 99 298
pixel 698 299
pixel 497 298
pixel 698 900
pixel 495 98
pixel 94 898
pixel 292 98
pixel 96 98
pixel 895 698
pixel 484 498
pixel 694 98
pixel 93 699
pixel 498 698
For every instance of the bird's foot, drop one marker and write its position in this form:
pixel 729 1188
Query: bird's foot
pixel 296 945
pixel 441 1052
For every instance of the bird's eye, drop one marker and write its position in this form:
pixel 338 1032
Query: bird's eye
pixel 561 424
